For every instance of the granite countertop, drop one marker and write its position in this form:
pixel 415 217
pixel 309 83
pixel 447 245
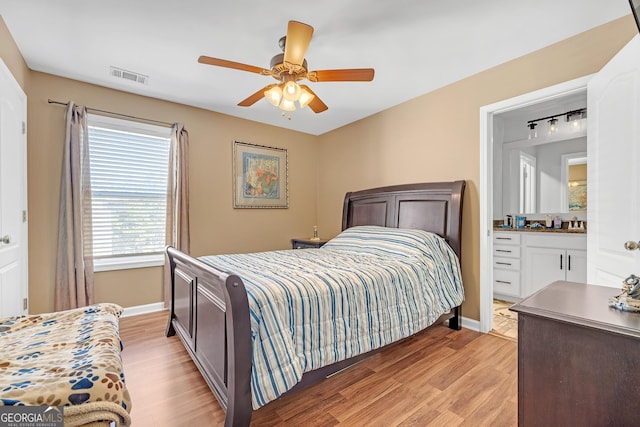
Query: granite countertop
pixel 540 230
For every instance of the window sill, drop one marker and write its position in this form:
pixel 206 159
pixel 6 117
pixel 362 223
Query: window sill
pixel 129 262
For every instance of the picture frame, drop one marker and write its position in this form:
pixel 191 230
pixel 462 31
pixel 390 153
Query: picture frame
pixel 260 176
pixel 578 196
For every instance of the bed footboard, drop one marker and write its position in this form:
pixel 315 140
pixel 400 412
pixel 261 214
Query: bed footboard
pixel 210 313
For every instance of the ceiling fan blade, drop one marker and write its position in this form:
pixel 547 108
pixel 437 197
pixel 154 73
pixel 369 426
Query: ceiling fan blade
pixel 348 75
pixel 230 64
pixel 297 42
pixel 252 99
pixel 316 104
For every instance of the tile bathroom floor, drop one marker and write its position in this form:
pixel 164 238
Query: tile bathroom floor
pixel 505 322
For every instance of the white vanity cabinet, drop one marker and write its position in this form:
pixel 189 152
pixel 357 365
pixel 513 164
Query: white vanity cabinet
pixel 554 257
pixel 524 262
pixel 506 264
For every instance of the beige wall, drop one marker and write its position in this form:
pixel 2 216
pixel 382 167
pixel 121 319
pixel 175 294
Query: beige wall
pixel 216 226
pixel 436 137
pixel 578 172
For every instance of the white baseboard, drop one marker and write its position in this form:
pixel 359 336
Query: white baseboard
pixel 143 309
pixel 472 324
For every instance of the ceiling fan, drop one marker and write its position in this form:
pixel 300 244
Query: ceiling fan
pixel 290 67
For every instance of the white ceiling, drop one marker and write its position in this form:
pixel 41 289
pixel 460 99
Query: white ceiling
pixel 415 46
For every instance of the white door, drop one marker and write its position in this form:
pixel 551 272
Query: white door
pixel 13 198
pixel 613 149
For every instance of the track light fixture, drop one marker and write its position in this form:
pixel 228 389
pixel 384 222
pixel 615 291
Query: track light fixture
pixel 574 117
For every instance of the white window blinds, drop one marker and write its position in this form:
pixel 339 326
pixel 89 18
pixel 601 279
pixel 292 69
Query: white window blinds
pixel 129 163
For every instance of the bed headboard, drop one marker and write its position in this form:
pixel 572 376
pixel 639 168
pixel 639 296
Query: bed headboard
pixel 434 207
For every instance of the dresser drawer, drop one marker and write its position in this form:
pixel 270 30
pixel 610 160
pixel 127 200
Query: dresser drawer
pixel 506 263
pixel 506 238
pixel 506 282
pixel 505 251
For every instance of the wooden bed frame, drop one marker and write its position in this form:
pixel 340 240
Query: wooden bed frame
pixel 210 310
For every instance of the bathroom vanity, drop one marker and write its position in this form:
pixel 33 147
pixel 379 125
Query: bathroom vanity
pixel 526 261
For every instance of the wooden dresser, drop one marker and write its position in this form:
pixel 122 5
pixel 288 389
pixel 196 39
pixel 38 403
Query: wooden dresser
pixel 578 358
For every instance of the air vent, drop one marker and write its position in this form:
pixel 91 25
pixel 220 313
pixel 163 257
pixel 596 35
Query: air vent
pixel 129 75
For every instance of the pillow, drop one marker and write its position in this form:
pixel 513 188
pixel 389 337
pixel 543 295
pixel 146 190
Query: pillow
pixel 385 241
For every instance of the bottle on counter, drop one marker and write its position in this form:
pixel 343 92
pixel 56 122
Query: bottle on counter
pixel 557 222
pixel 548 219
pixel 507 221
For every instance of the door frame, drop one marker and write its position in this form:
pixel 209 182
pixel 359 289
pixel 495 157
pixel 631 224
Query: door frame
pixel 486 181
pixel 5 73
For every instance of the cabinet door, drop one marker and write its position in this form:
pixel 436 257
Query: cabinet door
pixel 543 266
pixel 576 267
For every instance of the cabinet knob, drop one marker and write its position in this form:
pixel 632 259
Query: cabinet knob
pixel 631 245
pixel 6 239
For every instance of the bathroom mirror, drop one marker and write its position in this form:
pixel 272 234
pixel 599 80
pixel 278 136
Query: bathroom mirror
pixel 544 178
pixel 536 169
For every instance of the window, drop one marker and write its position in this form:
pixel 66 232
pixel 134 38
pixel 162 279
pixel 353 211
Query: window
pixel 129 166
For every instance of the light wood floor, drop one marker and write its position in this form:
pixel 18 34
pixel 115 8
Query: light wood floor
pixel 439 377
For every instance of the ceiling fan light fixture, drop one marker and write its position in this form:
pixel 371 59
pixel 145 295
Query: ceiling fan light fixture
pixel 288 68
pixel 287 105
pixel 274 95
pixel 305 98
pixel 291 91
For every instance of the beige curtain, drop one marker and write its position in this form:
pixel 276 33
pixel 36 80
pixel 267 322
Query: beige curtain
pixel 177 233
pixel 74 264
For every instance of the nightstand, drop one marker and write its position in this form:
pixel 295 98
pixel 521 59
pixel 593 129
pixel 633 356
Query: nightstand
pixel 307 243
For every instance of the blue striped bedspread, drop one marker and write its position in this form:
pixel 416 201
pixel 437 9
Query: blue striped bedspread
pixel 367 287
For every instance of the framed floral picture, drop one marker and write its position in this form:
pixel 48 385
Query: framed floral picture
pixel 260 176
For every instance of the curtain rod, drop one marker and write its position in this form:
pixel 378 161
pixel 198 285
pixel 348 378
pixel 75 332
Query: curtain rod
pixel 51 101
